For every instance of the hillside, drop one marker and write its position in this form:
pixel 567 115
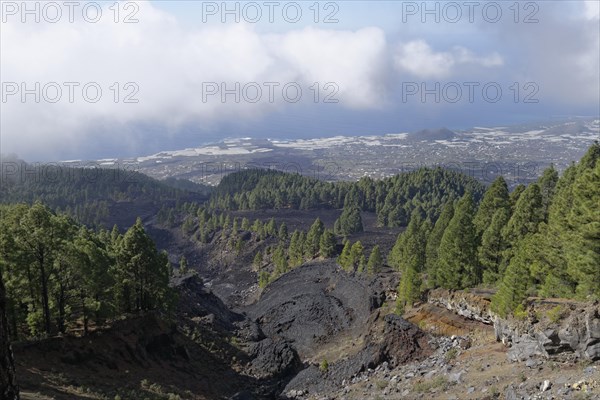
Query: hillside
pixel 93 195
pixel 408 287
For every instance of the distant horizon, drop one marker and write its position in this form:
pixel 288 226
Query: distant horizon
pixel 220 140
pixel 173 74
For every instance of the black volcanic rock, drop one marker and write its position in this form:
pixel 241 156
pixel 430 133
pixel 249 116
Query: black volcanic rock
pixel 273 358
pixel 312 304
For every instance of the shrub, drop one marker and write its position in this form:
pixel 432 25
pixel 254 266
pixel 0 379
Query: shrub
pixel 451 354
pixel 324 367
pixel 555 314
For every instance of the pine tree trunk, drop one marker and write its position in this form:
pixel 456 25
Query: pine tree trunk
pixel 45 299
pixel 8 385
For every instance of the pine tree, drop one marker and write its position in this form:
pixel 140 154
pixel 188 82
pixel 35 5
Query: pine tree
pixel 349 222
pixel 435 238
pixel 408 288
pixel 410 259
pixel 550 265
pixel 257 226
pixel 171 218
pixel 375 261
pixel 239 246
pixel 526 216
pixel 115 237
pixel 141 273
pixel 280 260
pixel 495 198
pixel 188 225
pixel 344 258
pixel 263 279
pixel 356 253
pixel 327 244
pixel 313 238
pixel 362 264
pixel 547 183
pixel 396 253
pixel 39 235
pixel 583 252
pixel 398 216
pixel 245 224
pixel 95 255
pixel 457 264
pixel 513 289
pixel 202 217
pixel 183 265
pixel 271 228
pixel 493 246
pixel 203 237
pixel 283 232
pixel 258 260
pixel 337 227
pixel 296 249
pixel 516 193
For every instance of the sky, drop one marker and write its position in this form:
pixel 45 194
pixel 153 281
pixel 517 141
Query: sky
pixel 107 79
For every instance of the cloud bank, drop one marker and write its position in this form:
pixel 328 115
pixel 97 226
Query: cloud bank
pixel 215 74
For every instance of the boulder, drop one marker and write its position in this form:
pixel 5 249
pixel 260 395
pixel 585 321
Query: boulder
pixel 273 358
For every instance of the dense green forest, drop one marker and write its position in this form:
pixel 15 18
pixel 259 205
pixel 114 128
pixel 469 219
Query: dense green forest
pixel 393 199
pixel 60 275
pixel 543 239
pixel 86 194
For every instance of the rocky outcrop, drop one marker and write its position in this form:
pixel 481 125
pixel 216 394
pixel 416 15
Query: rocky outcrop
pixel 402 341
pixel 392 341
pixel 465 304
pixel 313 304
pixel 576 333
pixel 272 359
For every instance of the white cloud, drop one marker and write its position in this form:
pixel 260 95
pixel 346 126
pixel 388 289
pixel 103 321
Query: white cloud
pixel 592 9
pixel 419 59
pixel 355 61
pixel 170 63
pixel 170 66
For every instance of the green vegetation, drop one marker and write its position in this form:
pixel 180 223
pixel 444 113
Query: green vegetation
pixel 88 194
pixel 313 239
pixel 393 199
pixel 408 257
pixel 434 240
pixel 352 259
pixel 451 354
pixel 344 258
pixel 263 279
pixel 324 366
pixel 439 382
pixel 541 239
pixel 375 261
pixel 555 314
pixel 457 255
pixel 327 244
pixel 58 273
pixel 349 222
